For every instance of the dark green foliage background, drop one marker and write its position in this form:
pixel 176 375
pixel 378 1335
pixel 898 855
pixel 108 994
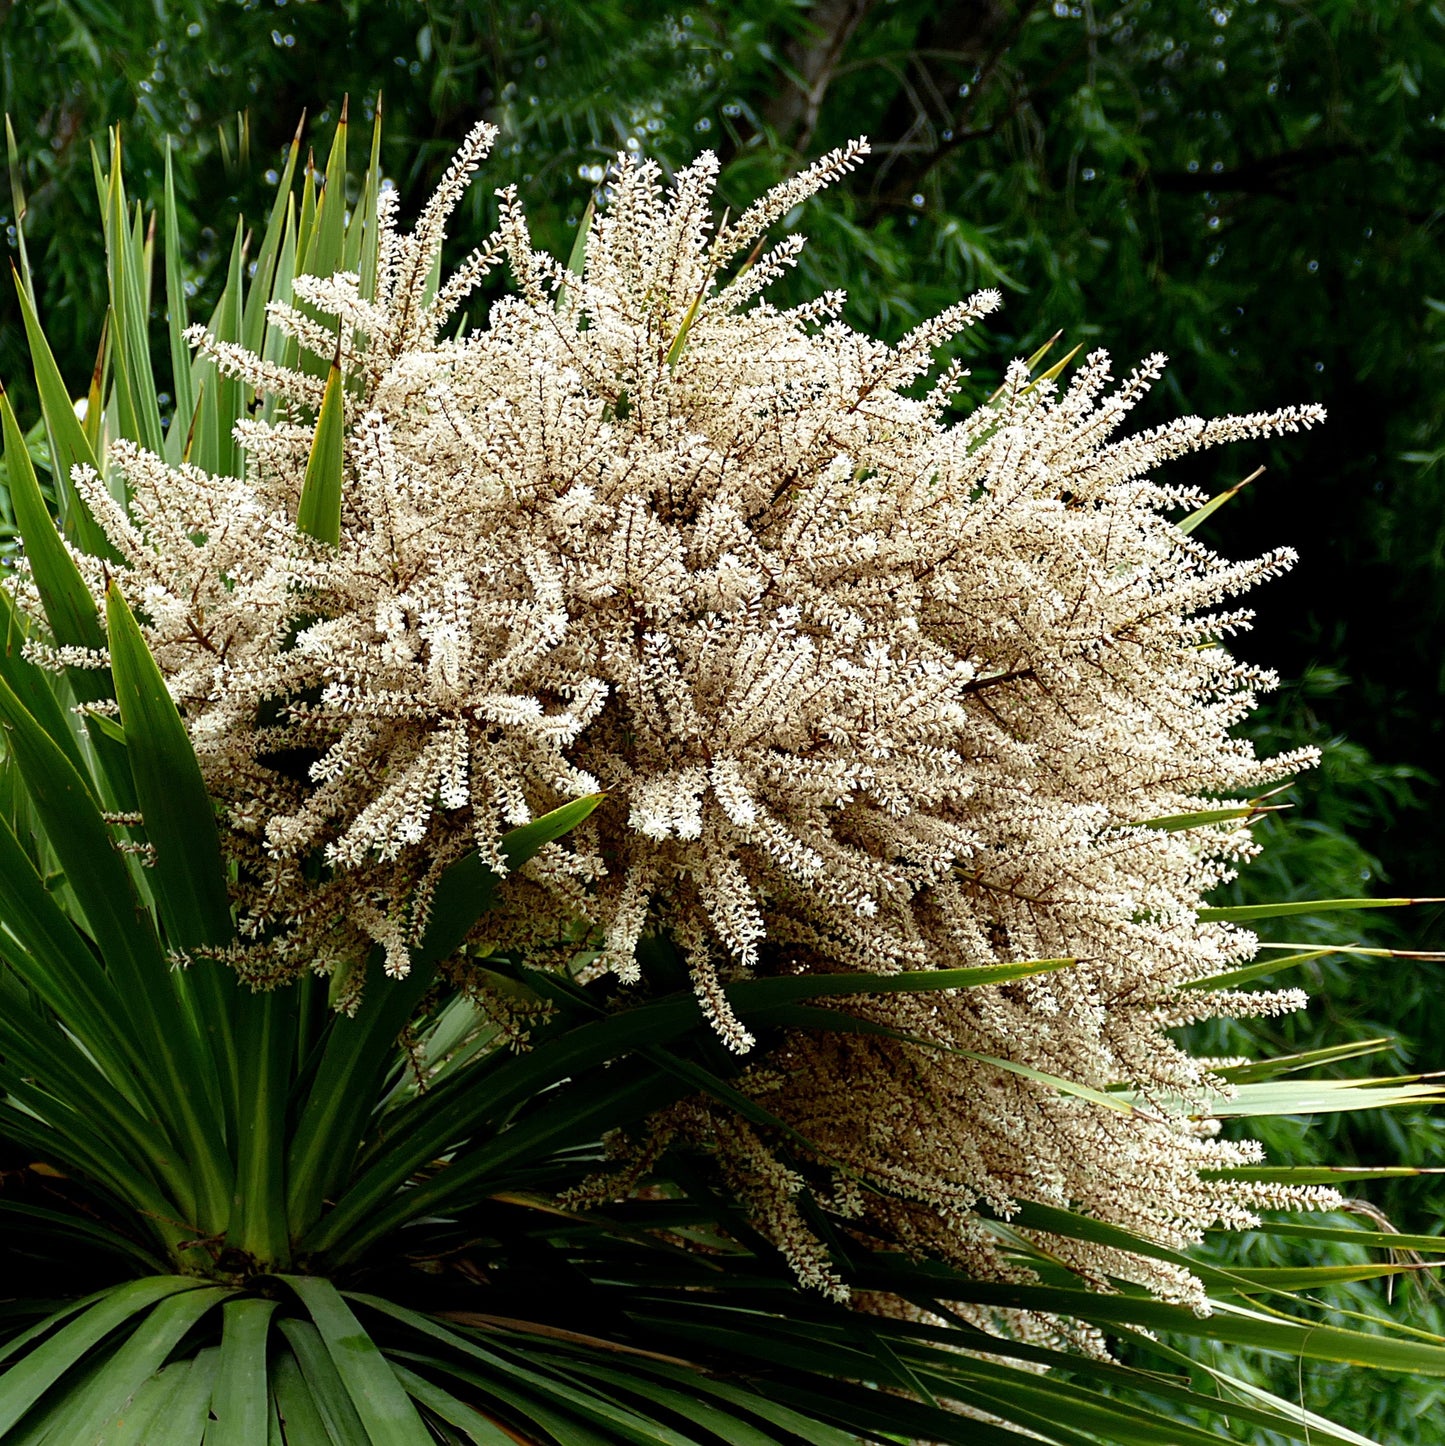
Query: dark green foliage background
pixel 1254 187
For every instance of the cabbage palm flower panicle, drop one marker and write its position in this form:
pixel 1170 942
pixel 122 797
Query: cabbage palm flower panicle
pixel 869 688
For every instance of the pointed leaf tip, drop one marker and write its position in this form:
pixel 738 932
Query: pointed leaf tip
pixel 319 513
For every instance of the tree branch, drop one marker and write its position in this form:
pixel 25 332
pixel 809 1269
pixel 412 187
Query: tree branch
pixel 793 112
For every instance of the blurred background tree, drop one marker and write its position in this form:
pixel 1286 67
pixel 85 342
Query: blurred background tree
pixel 1253 186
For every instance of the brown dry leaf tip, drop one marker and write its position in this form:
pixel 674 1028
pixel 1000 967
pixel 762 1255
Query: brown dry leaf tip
pixel 753 593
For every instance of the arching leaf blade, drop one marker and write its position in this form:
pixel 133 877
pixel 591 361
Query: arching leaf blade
pixel 294 1403
pixel 1320 1174
pixel 34 1372
pixel 230 392
pixel 1202 514
pixel 478 1428
pixel 188 878
pixel 381 1404
pixel 467 889
pixel 1233 978
pixel 240 1400
pixel 179 817
pixel 325 253
pixel 177 318
pixel 123 931
pixel 1354 1235
pixel 69 446
pixel 105 1395
pixel 148 1419
pixel 260 291
pixel 319 512
pixel 53 960
pixel 359 1047
pixel 31 684
pixel 134 380
pixel 80 1101
pixel 1259 1070
pixel 1248 913
pixel 1322 1096
pixel 69 607
pixel 320 1383
pixel 18 203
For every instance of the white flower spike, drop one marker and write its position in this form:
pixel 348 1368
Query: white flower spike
pixel 868 689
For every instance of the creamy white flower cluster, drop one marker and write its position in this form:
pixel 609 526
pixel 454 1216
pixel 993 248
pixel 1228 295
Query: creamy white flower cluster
pixel 867 688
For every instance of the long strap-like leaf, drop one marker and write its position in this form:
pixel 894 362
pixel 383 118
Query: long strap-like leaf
pixel 382 1405
pixel 319 510
pixel 69 446
pixel 35 1372
pixel 101 1402
pixel 240 1399
pixel 69 608
pixel 54 960
pixel 188 878
pixel 359 1049
pixel 86 1109
pixel 181 1070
